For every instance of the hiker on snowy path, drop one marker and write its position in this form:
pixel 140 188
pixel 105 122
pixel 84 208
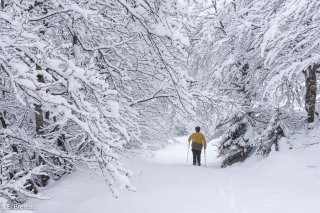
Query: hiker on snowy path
pixel 198 141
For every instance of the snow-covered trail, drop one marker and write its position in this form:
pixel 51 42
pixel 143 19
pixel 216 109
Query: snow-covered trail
pixel 286 182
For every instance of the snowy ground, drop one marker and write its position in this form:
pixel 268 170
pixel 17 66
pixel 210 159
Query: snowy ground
pixel 286 182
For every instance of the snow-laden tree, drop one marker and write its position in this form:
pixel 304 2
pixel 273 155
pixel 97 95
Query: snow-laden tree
pixel 223 57
pixel 76 77
pixel 290 45
pixel 226 64
pixel 229 60
pixel 238 139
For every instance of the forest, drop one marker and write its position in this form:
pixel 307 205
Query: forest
pixel 86 83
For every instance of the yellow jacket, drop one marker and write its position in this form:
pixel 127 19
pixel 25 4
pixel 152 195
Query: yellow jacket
pixel 198 137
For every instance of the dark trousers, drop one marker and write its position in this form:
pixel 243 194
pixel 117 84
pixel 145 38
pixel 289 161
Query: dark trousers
pixel 196 156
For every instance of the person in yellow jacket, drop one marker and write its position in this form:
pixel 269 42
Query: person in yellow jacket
pixel 198 141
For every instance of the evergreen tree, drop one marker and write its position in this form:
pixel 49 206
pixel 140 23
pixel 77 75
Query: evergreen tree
pixel 237 141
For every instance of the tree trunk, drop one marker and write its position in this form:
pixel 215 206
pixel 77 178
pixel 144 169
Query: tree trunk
pixel 38 110
pixel 41 180
pixel 3 113
pixel 2 4
pixel 2 119
pixel 39 119
pixel 311 92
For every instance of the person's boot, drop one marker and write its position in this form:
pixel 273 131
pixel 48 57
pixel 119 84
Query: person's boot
pixel 199 164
